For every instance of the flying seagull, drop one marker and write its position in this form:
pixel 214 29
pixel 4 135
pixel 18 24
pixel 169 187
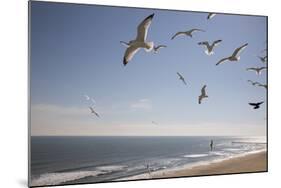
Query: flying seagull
pixel 253 83
pixel 235 56
pixel 257 69
pixel 153 122
pixel 187 33
pixel 181 78
pixel 210 16
pixel 157 48
pixel 93 111
pixel 203 94
pixel 140 41
pixel 256 105
pixel 263 59
pixel 209 47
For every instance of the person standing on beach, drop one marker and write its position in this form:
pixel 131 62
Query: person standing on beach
pixel 212 145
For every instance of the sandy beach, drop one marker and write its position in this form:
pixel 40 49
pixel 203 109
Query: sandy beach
pixel 256 162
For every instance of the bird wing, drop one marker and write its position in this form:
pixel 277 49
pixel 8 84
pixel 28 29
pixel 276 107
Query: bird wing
pixel 250 81
pixel 251 69
pixel 143 28
pixel 160 46
pixel 262 68
pixel 129 54
pixel 259 103
pixel 222 60
pixel 215 43
pixel 205 43
pixel 203 91
pixel 253 104
pixel 210 15
pixel 239 50
pixel 125 43
pixel 183 81
pixel 178 33
pixel 195 30
pixel 179 75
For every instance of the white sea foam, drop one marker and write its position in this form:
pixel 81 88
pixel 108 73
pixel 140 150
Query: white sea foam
pixel 111 168
pixel 62 177
pixel 196 155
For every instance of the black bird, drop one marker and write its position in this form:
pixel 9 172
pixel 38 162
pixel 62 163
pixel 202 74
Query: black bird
pixel 256 105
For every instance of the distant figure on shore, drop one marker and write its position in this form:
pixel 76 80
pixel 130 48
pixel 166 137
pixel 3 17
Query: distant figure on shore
pixel 212 145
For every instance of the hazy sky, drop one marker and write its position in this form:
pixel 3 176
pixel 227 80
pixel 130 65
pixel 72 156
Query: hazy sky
pixel 75 50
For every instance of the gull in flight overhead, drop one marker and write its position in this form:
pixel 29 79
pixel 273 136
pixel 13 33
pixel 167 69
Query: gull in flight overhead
pixel 157 48
pixel 263 59
pixel 140 41
pixel 187 33
pixel 235 56
pixel 181 78
pixel 211 15
pixel 258 70
pixel 253 83
pixel 93 111
pixel 256 105
pixel 153 122
pixel 203 94
pixel 209 47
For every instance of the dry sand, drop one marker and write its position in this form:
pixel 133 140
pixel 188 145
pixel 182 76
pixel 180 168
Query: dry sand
pixel 250 163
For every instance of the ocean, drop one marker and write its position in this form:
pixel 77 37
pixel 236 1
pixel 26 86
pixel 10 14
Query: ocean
pixel 70 160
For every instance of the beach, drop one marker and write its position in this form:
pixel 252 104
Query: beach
pixel 256 162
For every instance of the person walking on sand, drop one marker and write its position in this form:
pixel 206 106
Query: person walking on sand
pixel 212 145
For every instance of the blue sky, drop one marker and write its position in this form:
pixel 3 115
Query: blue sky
pixel 75 50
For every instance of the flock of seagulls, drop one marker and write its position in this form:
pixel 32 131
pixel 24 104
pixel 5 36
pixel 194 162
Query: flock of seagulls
pixel 140 42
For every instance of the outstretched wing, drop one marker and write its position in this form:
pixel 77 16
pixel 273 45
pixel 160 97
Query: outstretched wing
pixel 237 51
pixel 251 69
pixel 160 46
pixel 203 90
pixel 210 16
pixel 125 43
pixel 129 54
pixel 222 60
pixel 143 28
pixel 196 30
pixel 177 34
pixel 215 43
pixel 179 75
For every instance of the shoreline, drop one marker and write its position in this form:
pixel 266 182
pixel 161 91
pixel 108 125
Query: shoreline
pixel 250 162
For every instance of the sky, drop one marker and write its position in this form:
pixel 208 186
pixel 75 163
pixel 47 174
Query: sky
pixel 76 51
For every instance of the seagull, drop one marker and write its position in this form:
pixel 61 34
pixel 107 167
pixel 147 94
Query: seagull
pixel 211 15
pixel 93 111
pixel 235 56
pixel 203 94
pixel 257 69
pixel 181 78
pixel 209 47
pixel 256 105
pixel 263 59
pixel 140 41
pixel 187 33
pixel 253 83
pixel 153 122
pixel 262 85
pixel 157 48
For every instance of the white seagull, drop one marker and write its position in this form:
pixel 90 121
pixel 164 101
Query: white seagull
pixel 211 15
pixel 235 56
pixel 140 41
pixel 187 33
pixel 209 47
pixel 263 59
pixel 93 111
pixel 203 94
pixel 258 70
pixel 157 48
pixel 181 78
